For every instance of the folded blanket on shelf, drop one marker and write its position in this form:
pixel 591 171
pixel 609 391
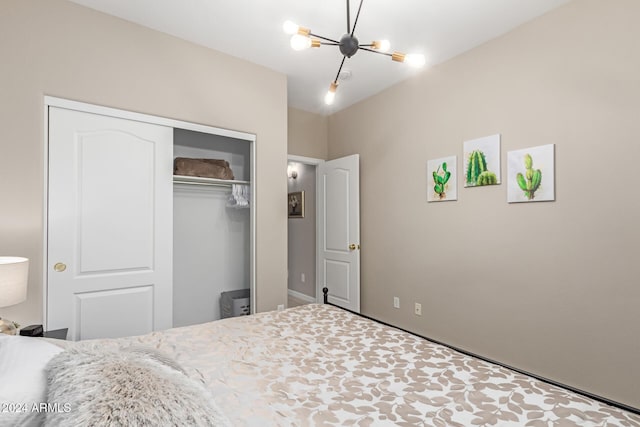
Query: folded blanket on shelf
pixel 206 168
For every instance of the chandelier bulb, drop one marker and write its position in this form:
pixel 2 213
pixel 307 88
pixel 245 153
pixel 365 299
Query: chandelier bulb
pixel 329 98
pixel 299 42
pixel 331 93
pixel 290 27
pixel 415 60
pixel 381 45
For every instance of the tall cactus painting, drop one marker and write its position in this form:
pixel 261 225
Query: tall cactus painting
pixel 531 174
pixel 476 164
pixel 533 178
pixel 441 179
pixel 482 161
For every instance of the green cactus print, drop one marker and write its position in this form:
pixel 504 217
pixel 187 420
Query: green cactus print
pixel 487 178
pixel 441 180
pixel 477 172
pixel 533 178
pixel 476 165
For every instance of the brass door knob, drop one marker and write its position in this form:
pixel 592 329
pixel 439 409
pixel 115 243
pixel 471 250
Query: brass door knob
pixel 353 247
pixel 59 267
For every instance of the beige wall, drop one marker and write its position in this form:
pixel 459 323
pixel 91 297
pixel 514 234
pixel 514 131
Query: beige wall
pixel 307 134
pixel 551 287
pixel 53 47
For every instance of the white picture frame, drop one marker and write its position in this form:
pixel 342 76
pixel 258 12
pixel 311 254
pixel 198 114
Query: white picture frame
pixel 482 161
pixel 444 188
pixel 531 174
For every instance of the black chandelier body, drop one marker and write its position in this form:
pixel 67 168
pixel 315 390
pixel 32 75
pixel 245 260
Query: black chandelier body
pixel 348 44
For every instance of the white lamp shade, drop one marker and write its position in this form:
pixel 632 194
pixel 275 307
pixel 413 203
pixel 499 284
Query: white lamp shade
pixel 14 275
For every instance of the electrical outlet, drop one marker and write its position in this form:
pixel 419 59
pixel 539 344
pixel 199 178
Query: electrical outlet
pixel 396 302
pixel 280 307
pixel 302 278
pixel 418 309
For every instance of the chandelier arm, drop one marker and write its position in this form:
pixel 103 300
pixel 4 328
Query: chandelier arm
pixel 357 16
pixel 325 38
pixel 348 18
pixel 329 44
pixel 374 51
pixel 340 69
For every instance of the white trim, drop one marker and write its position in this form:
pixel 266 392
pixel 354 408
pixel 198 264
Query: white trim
pixel 304 160
pixel 253 221
pixel 45 219
pixel 300 296
pixel 51 101
pixel 319 287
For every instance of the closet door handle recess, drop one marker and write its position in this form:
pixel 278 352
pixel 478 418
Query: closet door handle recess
pixel 59 267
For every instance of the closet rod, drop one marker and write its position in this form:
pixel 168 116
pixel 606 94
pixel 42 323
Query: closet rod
pixel 194 180
pixel 206 184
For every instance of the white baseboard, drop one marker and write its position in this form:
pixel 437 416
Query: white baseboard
pixel 300 296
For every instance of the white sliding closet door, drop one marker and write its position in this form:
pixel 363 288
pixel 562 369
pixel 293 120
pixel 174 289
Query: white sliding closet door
pixel 109 261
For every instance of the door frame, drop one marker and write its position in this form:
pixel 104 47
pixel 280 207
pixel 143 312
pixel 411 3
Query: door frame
pixel 315 162
pixel 50 101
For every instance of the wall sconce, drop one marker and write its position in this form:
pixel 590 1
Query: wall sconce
pixel 292 171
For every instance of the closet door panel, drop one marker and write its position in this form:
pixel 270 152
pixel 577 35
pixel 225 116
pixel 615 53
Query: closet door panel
pixel 134 317
pixel 110 228
pixel 106 210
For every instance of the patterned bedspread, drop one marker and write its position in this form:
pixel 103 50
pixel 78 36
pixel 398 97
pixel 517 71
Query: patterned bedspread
pixel 317 365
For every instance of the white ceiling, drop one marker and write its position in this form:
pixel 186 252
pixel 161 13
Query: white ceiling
pixel 252 30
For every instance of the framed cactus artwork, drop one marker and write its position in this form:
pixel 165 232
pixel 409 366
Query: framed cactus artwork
pixel 482 161
pixel 442 179
pixel 531 174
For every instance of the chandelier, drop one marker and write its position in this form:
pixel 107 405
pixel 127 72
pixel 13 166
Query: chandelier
pixel 302 38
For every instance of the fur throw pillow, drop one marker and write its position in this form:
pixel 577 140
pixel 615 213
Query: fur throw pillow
pixel 131 387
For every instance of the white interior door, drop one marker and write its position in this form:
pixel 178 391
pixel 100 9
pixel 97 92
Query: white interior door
pixel 109 261
pixel 338 184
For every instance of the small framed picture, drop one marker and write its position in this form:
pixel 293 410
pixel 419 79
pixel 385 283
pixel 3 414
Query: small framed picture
pixel 482 161
pixel 296 204
pixel 531 174
pixel 441 179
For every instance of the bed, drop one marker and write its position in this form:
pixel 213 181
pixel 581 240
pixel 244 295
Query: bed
pixel 313 365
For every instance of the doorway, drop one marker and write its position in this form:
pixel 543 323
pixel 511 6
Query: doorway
pixel 301 252
pixel 324 230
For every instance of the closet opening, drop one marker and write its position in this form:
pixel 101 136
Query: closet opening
pixel 211 231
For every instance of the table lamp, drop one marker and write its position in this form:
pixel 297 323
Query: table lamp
pixel 14 274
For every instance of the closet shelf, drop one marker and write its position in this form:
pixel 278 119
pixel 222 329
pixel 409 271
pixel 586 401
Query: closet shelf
pixel 196 180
